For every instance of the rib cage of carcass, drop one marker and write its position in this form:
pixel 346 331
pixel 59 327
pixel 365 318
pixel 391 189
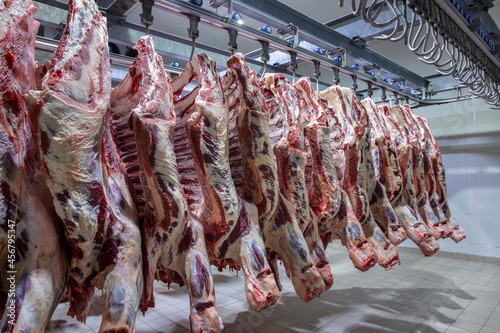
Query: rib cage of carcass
pixel 115 188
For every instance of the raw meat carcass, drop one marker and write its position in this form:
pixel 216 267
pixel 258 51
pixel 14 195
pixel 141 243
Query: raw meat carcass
pixel 232 231
pixel 254 173
pixel 389 171
pixel 359 179
pixel 326 197
pixel 389 181
pixel 289 149
pixel 440 199
pixel 84 174
pixel 439 226
pixel 418 199
pixel 33 259
pixel 174 244
pixel 415 227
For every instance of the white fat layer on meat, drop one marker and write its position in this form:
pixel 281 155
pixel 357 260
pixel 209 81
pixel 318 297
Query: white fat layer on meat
pixel 11 14
pixel 74 132
pixel 83 87
pixel 73 163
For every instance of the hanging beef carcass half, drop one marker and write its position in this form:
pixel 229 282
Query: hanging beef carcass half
pixel 326 197
pixel 173 240
pixel 389 182
pixel 439 199
pixel 390 151
pixel 232 231
pixel 255 176
pixel 415 227
pixel 359 179
pixel 437 223
pixel 287 138
pixel 33 255
pixel 418 201
pixel 85 176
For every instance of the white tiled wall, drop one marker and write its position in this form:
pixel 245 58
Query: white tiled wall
pixel 470 146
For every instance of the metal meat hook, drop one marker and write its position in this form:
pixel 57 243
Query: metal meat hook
pixel 146 16
pixel 264 56
pixel 293 64
pixel 193 32
pixel 317 72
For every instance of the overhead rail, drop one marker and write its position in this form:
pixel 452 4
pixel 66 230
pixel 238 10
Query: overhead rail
pixel 221 22
pixel 186 9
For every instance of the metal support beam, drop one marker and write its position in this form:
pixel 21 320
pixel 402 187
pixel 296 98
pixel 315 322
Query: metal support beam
pixel 280 15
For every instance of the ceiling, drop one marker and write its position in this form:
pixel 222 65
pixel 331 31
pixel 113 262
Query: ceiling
pixel 319 10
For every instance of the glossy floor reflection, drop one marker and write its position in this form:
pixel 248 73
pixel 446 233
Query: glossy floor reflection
pixel 436 294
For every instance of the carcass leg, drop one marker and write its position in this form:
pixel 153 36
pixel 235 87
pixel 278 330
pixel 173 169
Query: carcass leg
pixel 432 221
pixel 415 229
pixel 123 287
pixel 387 254
pixel 385 216
pixel 204 316
pixel 42 269
pixel 458 233
pixel 294 253
pixel 352 236
pixel 260 287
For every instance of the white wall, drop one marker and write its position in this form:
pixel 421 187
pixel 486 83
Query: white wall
pixel 470 146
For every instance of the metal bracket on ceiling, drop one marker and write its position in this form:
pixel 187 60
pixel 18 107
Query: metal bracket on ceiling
pixel 337 55
pixel 372 70
pixel 293 30
pixel 496 40
pixel 401 81
pixel 336 76
pixel 317 71
pixel 146 16
pixel 59 30
pixel 193 31
pixel 232 40
pixel 476 16
pixel 216 3
pixel 359 42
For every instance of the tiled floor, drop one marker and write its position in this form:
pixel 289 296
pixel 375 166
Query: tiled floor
pixel 423 295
